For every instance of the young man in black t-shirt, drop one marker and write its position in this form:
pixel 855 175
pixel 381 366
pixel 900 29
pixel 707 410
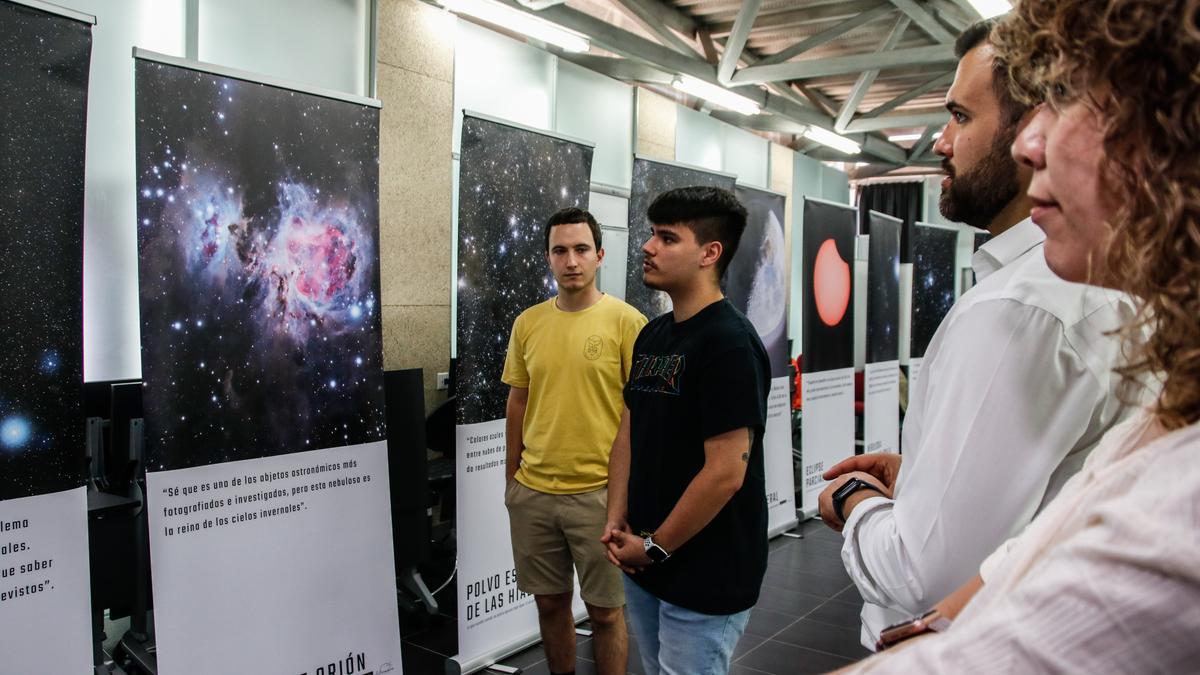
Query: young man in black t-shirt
pixel 687 504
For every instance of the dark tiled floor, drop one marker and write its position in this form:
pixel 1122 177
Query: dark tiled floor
pixel 806 620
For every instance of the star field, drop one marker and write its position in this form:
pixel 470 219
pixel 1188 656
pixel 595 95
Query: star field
pixel 510 182
pixel 883 291
pixel 258 230
pixel 934 251
pixel 44 65
pixel 650 179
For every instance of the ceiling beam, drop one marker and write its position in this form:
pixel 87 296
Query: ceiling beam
pixel 841 65
pixel 737 40
pixel 829 34
pixel 829 11
pixel 925 20
pixel 867 77
pixel 643 14
pixel 948 13
pixel 925 119
pixel 909 95
pixel 973 14
pixel 922 143
pixel 706 43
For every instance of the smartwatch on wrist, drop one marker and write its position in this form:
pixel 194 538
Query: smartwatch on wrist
pixel 848 488
pixel 929 622
pixel 654 552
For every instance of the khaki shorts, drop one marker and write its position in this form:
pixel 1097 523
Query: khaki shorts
pixel 553 533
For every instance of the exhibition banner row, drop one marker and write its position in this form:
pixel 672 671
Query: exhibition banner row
pixel 510 180
pixel 45 59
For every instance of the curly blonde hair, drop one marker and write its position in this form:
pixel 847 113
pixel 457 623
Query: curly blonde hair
pixel 1140 59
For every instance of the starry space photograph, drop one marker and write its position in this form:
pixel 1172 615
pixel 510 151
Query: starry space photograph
pixel 44 65
pixel 981 237
pixel 510 182
pixel 934 252
pixel 650 179
pixel 827 326
pixel 756 281
pixel 883 288
pixel 258 246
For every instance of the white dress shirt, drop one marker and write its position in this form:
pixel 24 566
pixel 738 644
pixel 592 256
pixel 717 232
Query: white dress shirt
pixel 1015 390
pixel 1105 580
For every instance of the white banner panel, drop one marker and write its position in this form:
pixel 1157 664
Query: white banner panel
pixel 494 617
pixel 777 459
pixel 881 407
pixel 827 433
pixel 275 565
pixel 44 584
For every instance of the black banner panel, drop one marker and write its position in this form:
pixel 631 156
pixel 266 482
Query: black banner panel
pixel 44 63
pixel 510 182
pixel 934 251
pixel 883 289
pixel 827 328
pixel 259 267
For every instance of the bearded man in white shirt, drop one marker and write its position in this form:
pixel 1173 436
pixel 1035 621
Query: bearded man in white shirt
pixel 1015 390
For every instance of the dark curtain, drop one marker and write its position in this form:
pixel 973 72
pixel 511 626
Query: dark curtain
pixel 901 200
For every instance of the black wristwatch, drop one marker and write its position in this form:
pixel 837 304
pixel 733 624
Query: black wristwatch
pixel 654 552
pixel 848 488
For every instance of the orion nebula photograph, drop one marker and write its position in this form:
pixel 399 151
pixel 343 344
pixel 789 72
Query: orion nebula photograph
pixel 827 329
pixel 44 65
pixel 756 281
pixel 934 252
pixel 511 181
pixel 883 288
pixel 650 179
pixel 258 242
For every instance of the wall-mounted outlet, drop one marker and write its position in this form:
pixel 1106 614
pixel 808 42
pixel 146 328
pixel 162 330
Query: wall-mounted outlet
pixel 443 381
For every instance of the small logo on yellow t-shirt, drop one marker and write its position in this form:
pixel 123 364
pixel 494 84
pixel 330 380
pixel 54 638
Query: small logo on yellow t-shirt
pixel 593 347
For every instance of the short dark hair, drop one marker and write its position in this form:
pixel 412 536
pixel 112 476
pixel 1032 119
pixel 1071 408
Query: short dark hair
pixel 569 216
pixel 976 34
pixel 712 214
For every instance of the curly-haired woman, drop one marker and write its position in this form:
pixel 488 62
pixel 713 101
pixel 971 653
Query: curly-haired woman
pixel 1107 578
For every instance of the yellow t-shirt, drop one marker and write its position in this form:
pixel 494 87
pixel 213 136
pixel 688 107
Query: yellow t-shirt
pixel 575 365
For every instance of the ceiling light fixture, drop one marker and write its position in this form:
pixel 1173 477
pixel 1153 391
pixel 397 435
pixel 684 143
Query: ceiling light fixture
pixel 911 137
pixel 520 22
pixel 716 95
pixel 832 140
pixel 989 8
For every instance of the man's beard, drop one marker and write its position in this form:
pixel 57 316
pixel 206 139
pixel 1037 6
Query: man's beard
pixel 979 195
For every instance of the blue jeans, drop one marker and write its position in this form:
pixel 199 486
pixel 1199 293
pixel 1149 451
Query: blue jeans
pixel 677 641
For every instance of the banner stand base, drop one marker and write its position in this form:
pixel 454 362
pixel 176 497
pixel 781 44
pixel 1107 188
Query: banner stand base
pixel 457 665
pixel 782 528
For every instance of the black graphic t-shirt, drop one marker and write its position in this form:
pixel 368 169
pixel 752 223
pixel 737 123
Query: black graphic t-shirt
pixel 691 381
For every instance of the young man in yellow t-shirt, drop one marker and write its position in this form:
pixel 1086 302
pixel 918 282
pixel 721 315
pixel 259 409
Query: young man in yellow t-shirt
pixel 568 360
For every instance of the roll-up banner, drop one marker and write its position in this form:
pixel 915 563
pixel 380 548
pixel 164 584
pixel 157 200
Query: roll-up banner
pixel 511 179
pixel 756 282
pixel 881 374
pixel 934 261
pixel 45 56
pixel 267 476
pixel 652 177
pixel 827 339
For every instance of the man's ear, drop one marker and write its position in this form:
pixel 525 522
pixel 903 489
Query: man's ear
pixel 710 253
pixel 600 255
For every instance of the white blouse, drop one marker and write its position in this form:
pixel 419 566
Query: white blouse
pixel 1105 580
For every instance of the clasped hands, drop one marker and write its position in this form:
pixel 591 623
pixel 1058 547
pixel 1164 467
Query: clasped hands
pixel 879 469
pixel 625 549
